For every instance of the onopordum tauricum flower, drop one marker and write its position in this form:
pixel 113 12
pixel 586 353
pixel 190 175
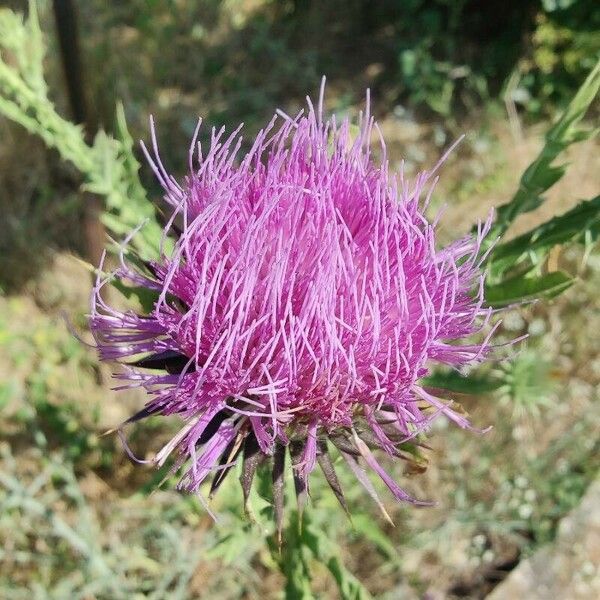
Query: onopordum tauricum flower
pixel 303 303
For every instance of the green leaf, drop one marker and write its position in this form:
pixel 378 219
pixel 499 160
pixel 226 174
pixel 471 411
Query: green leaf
pixel 573 225
pixel 367 527
pixel 294 563
pixel 108 166
pixel 469 384
pixel 326 552
pixel 348 586
pixel 521 289
pixel 540 175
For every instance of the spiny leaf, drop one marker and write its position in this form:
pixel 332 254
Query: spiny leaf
pixel 521 289
pixel 540 175
pixel 573 225
pixel 108 166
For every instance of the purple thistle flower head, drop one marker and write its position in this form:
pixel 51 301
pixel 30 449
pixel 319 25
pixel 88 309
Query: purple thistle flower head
pixel 303 302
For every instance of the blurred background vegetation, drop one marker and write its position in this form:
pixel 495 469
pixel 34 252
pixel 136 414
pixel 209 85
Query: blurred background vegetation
pixel 76 517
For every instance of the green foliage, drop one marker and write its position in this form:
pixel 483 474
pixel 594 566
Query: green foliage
pixel 580 224
pixel 541 174
pixel 107 166
pixel 550 485
pixel 439 55
pixel 435 65
pixel 514 265
pixel 455 53
pixel 40 358
pixel 368 528
pixel 563 48
pixel 524 288
pixel 73 555
pixel 305 543
pixel 432 82
pixel 465 384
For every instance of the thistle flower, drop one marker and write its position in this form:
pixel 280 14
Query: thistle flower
pixel 303 302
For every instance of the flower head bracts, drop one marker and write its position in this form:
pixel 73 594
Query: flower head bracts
pixel 304 300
